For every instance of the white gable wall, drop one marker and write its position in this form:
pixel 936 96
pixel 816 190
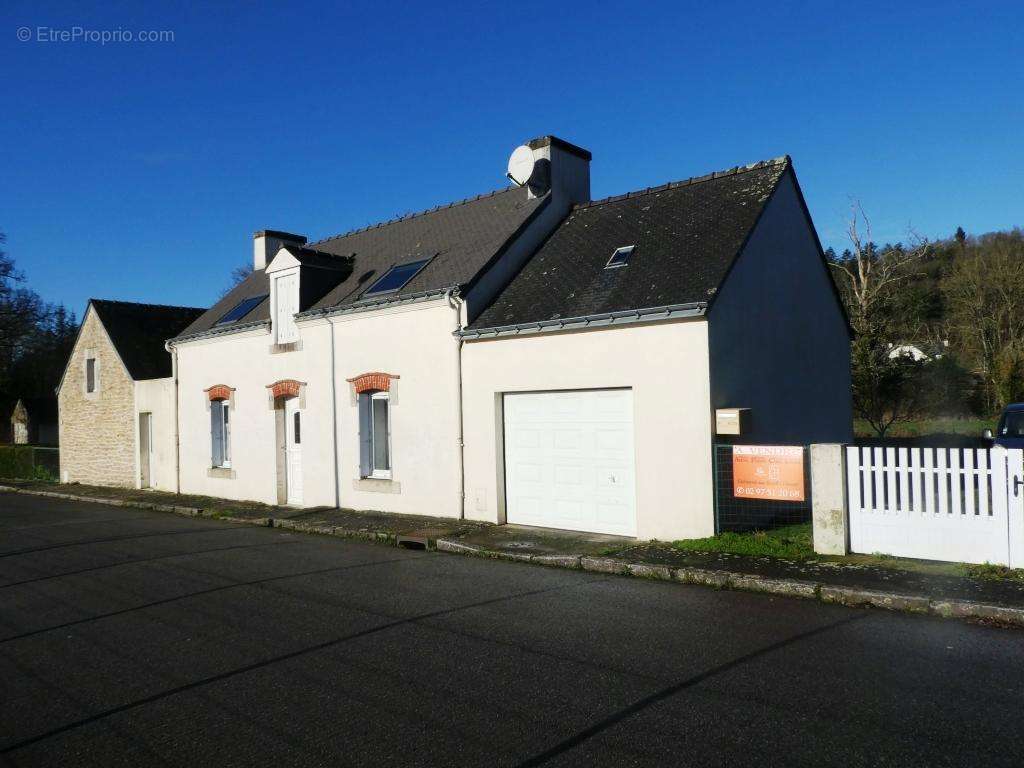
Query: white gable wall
pixel 778 338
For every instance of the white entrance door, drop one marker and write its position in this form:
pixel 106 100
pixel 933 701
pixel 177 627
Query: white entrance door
pixel 293 449
pixel 569 460
pixel 146 450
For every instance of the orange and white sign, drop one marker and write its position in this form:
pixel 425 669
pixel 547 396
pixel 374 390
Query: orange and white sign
pixel 771 472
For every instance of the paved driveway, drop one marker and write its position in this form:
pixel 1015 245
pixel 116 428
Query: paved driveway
pixel 137 638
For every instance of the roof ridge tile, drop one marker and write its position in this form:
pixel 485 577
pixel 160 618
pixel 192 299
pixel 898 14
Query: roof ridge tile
pixel 144 304
pixel 783 160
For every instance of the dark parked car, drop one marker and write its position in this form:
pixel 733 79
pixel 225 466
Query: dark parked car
pixel 1010 432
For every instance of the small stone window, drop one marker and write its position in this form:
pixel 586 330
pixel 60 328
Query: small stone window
pixel 90 374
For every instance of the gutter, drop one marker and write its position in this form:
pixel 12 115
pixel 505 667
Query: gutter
pixel 220 331
pixel 369 304
pixel 456 303
pixel 627 317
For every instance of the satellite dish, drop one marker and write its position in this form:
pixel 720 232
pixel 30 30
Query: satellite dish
pixel 521 165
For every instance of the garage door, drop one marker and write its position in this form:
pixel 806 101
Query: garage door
pixel 569 460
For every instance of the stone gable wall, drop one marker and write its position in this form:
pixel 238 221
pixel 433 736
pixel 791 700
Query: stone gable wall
pixel 97 431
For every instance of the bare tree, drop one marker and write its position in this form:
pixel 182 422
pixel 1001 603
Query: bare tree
pixel 884 384
pixel 238 275
pixel 869 278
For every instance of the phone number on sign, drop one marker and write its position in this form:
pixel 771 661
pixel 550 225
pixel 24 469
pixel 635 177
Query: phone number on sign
pixel 792 493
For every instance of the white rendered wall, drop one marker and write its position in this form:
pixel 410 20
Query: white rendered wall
pixel 415 343
pixel 665 364
pixel 244 362
pixel 156 396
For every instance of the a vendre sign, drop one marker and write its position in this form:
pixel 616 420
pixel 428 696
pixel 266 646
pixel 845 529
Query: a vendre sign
pixel 769 472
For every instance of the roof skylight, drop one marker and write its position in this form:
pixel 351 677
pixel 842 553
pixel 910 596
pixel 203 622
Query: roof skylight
pixel 241 309
pixel 396 278
pixel 621 257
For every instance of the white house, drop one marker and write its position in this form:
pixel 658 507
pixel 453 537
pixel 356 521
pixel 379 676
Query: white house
pixel 331 376
pixel 525 356
pixel 592 381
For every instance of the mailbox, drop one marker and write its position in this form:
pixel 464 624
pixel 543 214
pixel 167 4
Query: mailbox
pixel 732 421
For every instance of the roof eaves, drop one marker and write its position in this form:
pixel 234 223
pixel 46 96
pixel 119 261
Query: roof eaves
pixel 624 317
pixel 222 330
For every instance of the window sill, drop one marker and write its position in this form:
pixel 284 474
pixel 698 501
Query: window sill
pixel 376 485
pixel 223 472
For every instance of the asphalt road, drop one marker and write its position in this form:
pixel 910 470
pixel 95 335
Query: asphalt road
pixel 136 638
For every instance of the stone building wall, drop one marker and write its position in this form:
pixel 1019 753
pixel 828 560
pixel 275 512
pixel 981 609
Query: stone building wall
pixel 97 430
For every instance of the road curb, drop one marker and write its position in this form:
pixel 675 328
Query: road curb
pixel 183 511
pixel 719 579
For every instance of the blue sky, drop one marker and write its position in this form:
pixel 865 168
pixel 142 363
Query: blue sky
pixel 140 170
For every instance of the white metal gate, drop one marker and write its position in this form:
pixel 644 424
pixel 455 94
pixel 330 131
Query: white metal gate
pixel 955 504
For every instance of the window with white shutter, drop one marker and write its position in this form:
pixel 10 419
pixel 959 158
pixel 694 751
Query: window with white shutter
pixel 286 304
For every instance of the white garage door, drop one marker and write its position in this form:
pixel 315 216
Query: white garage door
pixel 569 460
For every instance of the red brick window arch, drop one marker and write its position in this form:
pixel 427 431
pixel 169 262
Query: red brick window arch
pixel 375 381
pixel 285 388
pixel 219 392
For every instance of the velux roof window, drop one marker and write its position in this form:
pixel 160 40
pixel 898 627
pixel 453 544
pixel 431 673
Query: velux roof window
pixel 241 309
pixel 396 278
pixel 621 257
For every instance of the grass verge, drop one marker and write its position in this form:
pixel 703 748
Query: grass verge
pixel 792 542
pixel 925 427
pixel 991 572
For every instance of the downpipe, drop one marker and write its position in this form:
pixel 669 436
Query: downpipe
pixel 173 351
pixel 456 303
pixel 334 419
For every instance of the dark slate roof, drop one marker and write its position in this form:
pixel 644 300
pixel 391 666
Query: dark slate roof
pixel 258 284
pixel 138 332
pixel 460 238
pixel 687 235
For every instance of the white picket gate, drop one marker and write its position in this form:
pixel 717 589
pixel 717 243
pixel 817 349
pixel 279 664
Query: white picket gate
pixel 956 504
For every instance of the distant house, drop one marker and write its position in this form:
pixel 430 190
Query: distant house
pixel 116 397
pixel 918 351
pixel 34 421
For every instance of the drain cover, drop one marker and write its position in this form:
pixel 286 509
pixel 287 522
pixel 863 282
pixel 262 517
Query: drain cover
pixel 425 538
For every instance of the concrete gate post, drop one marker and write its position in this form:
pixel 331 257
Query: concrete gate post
pixel 829 514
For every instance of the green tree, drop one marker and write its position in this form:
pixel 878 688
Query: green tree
pixel 21 310
pixel 985 307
